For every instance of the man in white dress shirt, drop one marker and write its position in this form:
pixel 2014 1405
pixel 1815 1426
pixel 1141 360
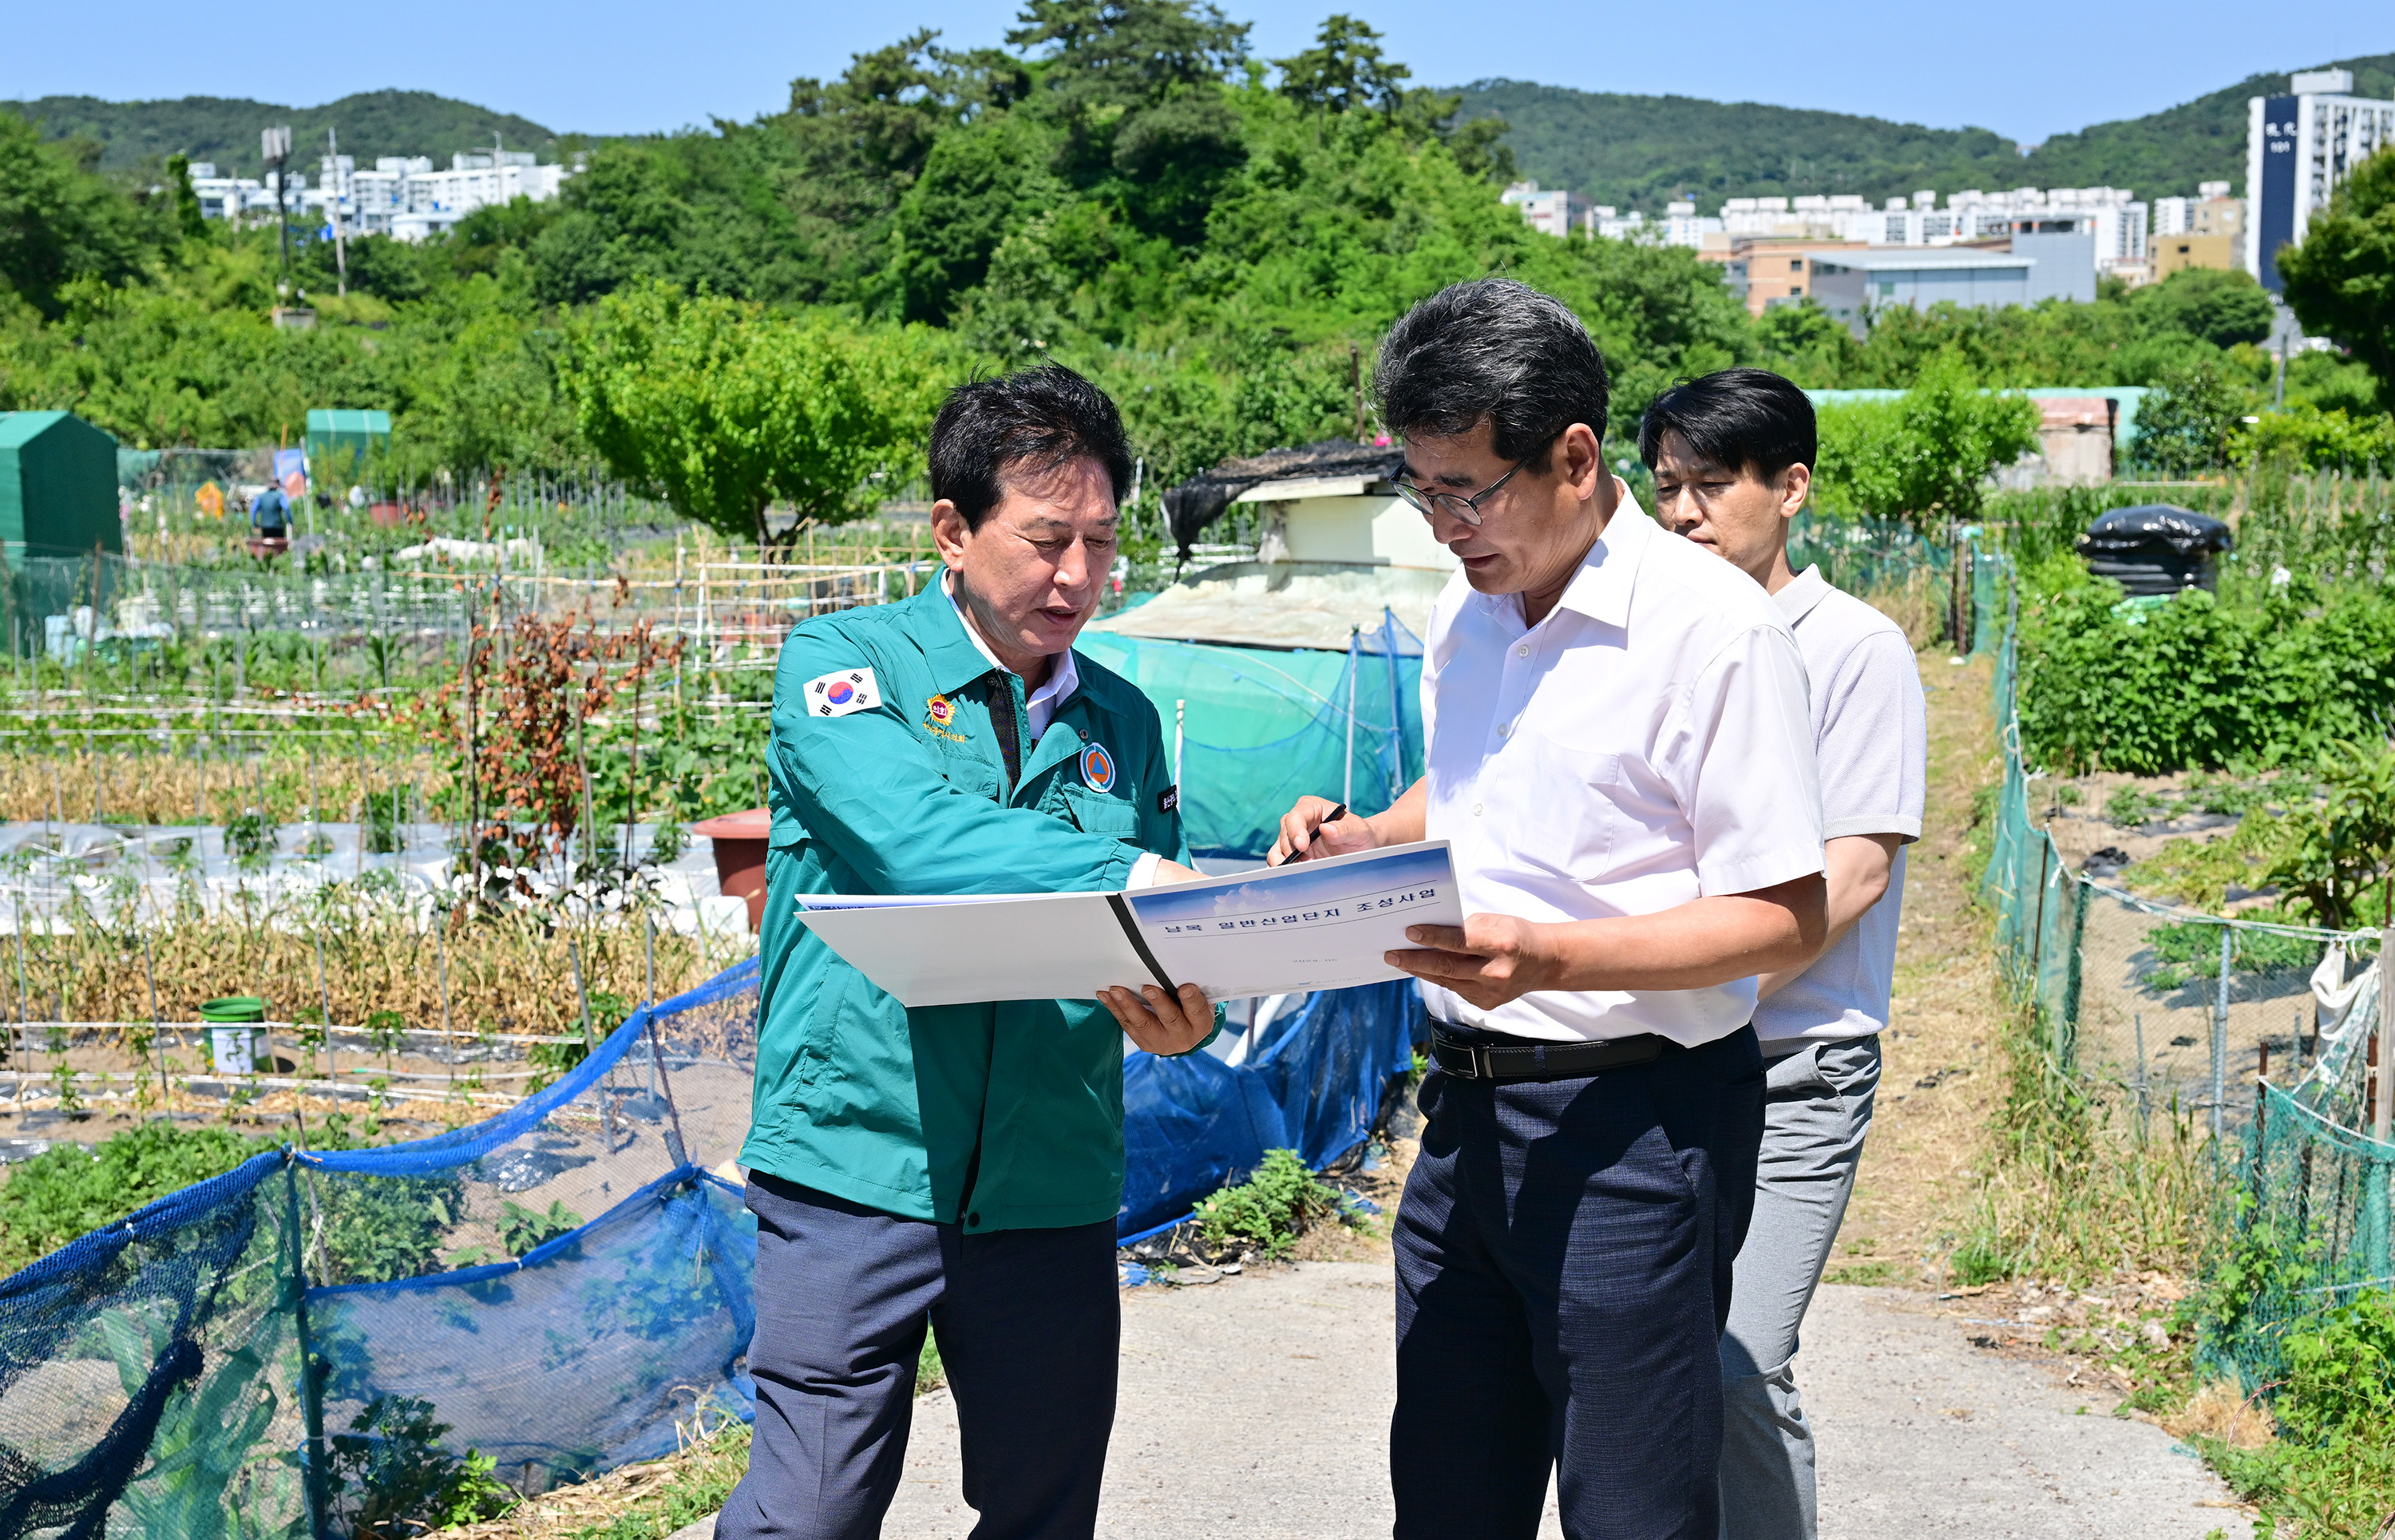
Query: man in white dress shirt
pixel 1732 455
pixel 1618 748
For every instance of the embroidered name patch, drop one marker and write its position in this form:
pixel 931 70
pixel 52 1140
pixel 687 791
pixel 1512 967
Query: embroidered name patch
pixel 1097 768
pixel 1168 799
pixel 836 695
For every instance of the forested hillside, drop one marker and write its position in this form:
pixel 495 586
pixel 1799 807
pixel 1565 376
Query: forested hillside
pixel 137 134
pixel 1637 152
pixel 2169 152
pixel 1219 240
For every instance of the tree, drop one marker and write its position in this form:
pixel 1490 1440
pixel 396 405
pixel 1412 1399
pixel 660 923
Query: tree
pixel 190 223
pixel 2185 425
pixel 1345 70
pixel 2222 308
pixel 58 222
pixel 1926 457
pixel 723 407
pixel 2341 281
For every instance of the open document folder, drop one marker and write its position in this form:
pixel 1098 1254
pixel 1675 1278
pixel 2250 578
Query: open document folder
pixel 1313 925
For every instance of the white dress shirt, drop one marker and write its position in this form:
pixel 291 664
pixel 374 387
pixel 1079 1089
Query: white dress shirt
pixel 1645 745
pixel 1871 736
pixel 1064 678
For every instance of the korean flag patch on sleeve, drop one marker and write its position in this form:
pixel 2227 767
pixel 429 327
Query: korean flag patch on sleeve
pixel 836 695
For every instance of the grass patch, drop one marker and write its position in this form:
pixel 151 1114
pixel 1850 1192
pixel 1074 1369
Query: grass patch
pixel 710 1469
pixel 2073 1192
pixel 1867 1275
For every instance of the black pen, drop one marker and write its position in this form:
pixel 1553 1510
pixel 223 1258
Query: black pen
pixel 1336 814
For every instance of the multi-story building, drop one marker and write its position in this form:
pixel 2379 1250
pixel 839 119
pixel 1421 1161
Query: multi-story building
pixel 1551 211
pixel 2211 212
pixel 2109 217
pixel 2300 149
pixel 237 199
pixel 402 196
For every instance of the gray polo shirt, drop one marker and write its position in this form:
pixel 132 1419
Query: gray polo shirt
pixel 1871 738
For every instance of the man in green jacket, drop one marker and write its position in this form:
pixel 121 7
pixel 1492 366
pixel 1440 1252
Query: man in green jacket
pixel 958 1166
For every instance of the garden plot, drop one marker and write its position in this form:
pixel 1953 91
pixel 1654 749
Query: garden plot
pixel 112 940
pixel 2165 853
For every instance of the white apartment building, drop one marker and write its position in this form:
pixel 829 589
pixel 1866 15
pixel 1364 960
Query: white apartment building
pixel 1551 211
pixel 2300 149
pixel 239 199
pixel 1682 227
pixel 402 196
pixel 2211 212
pixel 2110 216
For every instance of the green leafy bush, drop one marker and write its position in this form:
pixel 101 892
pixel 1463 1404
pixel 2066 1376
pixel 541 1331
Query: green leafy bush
pixel 375 1228
pixel 65 1192
pixel 2191 949
pixel 524 1230
pixel 394 1480
pixel 1924 457
pixel 1270 1209
pixel 2201 681
pixel 249 838
pixel 2331 1472
pixel 2132 806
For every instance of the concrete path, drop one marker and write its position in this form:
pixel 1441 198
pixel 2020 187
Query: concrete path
pixel 1259 1407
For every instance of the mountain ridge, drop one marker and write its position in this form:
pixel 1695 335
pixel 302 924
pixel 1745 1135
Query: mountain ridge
pixel 135 135
pixel 1639 151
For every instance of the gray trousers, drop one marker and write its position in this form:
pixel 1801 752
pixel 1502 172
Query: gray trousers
pixel 1817 1108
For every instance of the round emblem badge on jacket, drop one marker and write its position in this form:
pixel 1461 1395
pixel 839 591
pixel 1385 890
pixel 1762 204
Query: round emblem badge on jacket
pixel 1097 768
pixel 942 710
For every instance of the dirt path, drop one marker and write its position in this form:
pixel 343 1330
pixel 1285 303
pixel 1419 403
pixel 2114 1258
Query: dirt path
pixel 1941 1078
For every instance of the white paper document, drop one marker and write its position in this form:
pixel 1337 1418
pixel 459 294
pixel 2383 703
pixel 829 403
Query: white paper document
pixel 1313 925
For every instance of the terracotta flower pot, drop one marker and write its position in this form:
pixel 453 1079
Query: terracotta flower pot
pixel 739 840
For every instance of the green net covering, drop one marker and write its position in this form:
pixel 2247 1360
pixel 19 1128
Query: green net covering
pixel 1258 727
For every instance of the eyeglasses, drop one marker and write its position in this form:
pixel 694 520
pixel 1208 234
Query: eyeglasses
pixel 1454 505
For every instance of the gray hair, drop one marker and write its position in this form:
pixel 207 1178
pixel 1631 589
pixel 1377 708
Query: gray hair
pixel 1497 350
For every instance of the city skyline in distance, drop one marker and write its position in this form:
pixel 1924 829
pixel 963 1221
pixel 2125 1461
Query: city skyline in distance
pixel 604 68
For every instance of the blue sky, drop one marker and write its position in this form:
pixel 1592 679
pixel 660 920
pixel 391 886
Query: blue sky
pixel 611 67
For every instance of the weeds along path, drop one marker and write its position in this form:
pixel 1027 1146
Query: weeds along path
pixel 1943 1072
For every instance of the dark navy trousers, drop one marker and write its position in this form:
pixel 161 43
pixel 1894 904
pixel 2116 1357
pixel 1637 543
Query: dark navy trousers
pixel 1564 1255
pixel 1029 1326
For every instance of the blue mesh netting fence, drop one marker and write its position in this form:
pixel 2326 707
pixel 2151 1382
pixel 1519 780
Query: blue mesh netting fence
pixel 311 1339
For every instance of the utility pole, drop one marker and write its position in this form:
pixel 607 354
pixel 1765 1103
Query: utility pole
pixel 275 144
pixel 340 197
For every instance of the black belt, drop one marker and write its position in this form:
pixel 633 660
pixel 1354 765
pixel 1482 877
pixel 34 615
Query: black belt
pixel 1517 1058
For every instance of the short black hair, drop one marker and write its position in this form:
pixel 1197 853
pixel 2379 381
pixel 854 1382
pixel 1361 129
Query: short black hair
pixel 1739 419
pixel 1497 350
pixel 1036 419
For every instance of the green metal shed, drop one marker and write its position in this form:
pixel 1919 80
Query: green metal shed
pixel 334 430
pixel 58 486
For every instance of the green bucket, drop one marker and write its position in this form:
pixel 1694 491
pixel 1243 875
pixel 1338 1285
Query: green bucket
pixel 236 1045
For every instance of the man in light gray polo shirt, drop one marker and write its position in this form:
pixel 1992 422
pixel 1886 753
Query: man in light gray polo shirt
pixel 1732 455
